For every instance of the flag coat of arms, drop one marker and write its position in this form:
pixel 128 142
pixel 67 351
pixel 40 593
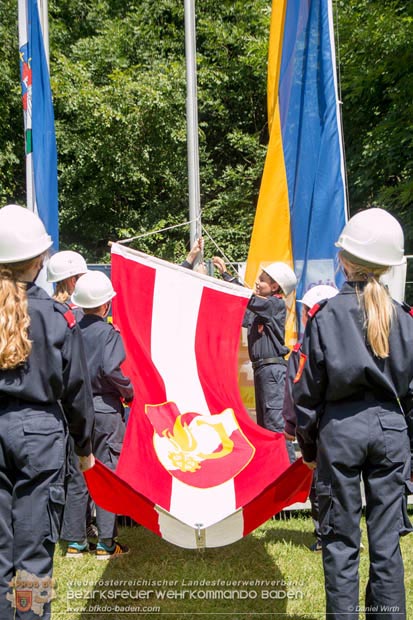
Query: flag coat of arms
pixel 194 467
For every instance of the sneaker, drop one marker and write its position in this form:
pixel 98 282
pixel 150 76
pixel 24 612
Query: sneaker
pixel 76 550
pixel 92 531
pixel 316 546
pixel 103 552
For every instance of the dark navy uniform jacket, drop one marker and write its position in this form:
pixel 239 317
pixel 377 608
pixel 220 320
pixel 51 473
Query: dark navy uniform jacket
pixel 337 364
pixel 265 322
pixel 288 412
pixel 105 353
pixel 56 369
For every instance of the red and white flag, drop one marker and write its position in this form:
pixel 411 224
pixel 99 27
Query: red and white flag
pixel 194 467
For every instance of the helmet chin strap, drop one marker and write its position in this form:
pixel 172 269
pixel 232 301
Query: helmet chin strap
pixel 38 273
pixel 40 267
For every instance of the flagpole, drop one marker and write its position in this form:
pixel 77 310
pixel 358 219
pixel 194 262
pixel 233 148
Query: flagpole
pixel 40 142
pixel 192 123
pixel 23 38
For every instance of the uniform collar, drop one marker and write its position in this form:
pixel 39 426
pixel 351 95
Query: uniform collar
pixel 92 318
pixel 352 287
pixel 36 291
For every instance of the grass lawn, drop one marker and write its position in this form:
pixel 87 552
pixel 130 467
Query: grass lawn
pixel 271 572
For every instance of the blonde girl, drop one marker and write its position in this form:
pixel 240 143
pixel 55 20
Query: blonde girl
pixel 43 382
pixel 353 396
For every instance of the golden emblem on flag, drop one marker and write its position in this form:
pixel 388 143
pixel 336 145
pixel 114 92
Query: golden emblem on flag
pixel 200 450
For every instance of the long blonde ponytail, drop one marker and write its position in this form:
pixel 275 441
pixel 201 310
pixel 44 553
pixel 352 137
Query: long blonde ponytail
pixel 379 310
pixel 378 305
pixel 15 345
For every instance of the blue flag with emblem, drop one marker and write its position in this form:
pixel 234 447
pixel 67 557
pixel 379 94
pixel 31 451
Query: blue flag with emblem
pixel 40 139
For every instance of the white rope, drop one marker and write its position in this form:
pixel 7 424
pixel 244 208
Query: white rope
pixel 228 261
pixel 154 232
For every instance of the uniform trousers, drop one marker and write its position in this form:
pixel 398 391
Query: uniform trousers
pixel 75 516
pixel 269 382
pixel 314 505
pixel 108 437
pixel 363 439
pixel 32 469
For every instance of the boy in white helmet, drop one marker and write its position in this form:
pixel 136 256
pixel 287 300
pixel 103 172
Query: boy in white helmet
pixel 313 296
pixel 63 270
pixel 265 322
pixel 105 354
pixel 312 299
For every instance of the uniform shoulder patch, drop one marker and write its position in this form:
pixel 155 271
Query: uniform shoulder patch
pixel 67 314
pixel 316 308
pixel 70 318
pixel 407 308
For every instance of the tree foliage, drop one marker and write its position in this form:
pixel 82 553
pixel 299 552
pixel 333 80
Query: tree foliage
pixel 377 83
pixel 119 89
pixel 120 94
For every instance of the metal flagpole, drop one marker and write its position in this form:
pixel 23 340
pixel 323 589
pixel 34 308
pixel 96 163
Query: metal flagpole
pixel 23 10
pixel 192 123
pixel 27 103
pixel 23 38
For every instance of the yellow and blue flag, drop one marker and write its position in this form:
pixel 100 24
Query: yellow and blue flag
pixel 40 139
pixel 302 205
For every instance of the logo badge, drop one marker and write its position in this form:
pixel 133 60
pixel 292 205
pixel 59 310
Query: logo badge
pixel 200 450
pixel 29 592
pixel 23 600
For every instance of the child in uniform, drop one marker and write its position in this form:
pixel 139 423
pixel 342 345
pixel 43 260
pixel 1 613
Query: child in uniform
pixel 63 270
pixel 44 385
pixel 353 395
pixel 312 297
pixel 265 322
pixel 105 354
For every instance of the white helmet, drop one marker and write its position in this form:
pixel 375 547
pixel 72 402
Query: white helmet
pixel 373 236
pixel 64 264
pixel 92 290
pixel 317 293
pixel 284 275
pixel 22 235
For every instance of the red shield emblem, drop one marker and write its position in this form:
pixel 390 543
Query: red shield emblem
pixel 23 600
pixel 200 450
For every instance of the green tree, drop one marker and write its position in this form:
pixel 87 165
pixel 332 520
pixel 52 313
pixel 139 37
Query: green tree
pixel 119 89
pixel 377 82
pixel 118 81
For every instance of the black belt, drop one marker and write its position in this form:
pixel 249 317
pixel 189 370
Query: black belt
pixel 370 395
pixel 269 360
pixel 7 401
